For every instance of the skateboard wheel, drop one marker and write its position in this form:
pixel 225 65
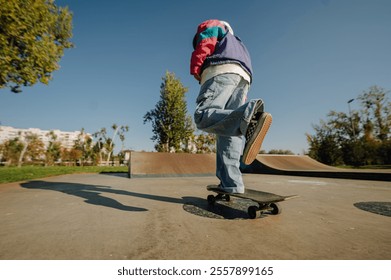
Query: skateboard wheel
pixel 211 199
pixel 276 208
pixel 227 197
pixel 253 212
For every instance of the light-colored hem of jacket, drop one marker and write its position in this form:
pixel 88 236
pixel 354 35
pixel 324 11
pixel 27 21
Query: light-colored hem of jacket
pixel 214 70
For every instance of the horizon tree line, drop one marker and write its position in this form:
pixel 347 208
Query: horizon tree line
pixel 28 148
pixel 359 137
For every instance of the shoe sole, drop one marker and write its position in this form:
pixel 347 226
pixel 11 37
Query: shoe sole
pixel 251 153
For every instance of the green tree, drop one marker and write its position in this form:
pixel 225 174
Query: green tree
pixel 205 143
pixel 33 36
pixel 73 155
pixel 53 150
pixel 11 150
pixel 280 152
pixel 360 138
pixel 33 147
pixel 27 146
pixel 105 143
pixel 171 125
pixel 324 145
pixel 35 150
pixel 83 148
pixel 120 131
pixel 376 113
pixel 1 152
pixel 100 139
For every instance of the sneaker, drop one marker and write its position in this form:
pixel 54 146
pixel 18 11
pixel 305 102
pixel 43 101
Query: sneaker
pixel 256 132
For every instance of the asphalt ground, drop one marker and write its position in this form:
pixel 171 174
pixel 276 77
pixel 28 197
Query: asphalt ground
pixel 111 217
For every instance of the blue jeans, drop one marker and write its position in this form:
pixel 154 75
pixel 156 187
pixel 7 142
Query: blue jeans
pixel 221 110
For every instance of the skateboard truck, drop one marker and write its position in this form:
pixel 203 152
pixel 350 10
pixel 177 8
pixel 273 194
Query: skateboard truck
pixel 267 202
pixel 253 211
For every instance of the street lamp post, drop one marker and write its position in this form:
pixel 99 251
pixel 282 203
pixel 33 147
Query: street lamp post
pixel 351 120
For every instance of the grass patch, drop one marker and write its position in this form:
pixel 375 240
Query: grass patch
pixel 15 174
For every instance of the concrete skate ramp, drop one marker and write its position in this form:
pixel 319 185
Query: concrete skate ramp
pixel 293 163
pixel 150 164
pixel 306 166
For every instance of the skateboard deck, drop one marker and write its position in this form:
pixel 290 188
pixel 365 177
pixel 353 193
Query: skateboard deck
pixel 267 202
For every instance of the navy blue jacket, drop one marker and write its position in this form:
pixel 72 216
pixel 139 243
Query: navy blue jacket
pixel 230 49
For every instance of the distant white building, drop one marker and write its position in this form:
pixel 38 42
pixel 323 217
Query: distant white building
pixel 67 139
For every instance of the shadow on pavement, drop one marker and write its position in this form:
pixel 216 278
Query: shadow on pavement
pixel 91 193
pixel 233 210
pixel 376 207
pixel 116 174
pixel 94 195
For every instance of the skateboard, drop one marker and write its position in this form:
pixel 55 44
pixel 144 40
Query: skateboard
pixel 267 202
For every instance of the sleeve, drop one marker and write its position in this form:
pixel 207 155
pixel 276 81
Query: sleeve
pixel 206 38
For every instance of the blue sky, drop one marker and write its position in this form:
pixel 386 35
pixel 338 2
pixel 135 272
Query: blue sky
pixel 309 57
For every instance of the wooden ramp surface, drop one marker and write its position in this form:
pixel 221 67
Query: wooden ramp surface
pixel 150 164
pixel 295 165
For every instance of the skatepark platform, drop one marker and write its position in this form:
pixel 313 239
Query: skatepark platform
pixel 151 164
pixel 110 217
pixel 295 165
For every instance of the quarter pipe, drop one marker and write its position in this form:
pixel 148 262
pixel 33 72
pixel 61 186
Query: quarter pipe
pixel 306 166
pixel 152 164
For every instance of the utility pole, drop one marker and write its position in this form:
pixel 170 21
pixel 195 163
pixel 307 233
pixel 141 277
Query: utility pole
pixel 351 120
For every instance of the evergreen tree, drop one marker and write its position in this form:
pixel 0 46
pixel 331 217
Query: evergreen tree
pixel 171 125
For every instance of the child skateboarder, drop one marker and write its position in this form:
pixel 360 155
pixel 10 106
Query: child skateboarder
pixel 221 63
